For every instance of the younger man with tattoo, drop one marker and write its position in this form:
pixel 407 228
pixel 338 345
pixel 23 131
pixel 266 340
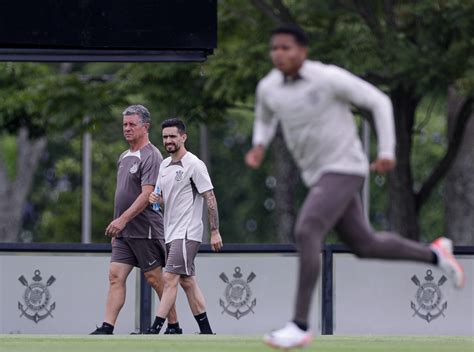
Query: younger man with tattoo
pixel 184 183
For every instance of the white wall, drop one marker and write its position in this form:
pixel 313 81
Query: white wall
pixel 272 288
pixel 79 294
pixel 370 297
pixel 375 297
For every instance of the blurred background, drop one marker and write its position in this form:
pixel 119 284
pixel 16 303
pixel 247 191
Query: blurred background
pixel 59 119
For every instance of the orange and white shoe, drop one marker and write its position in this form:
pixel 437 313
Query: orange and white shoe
pixel 443 248
pixel 290 336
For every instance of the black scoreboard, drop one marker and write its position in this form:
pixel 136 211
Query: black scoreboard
pixel 107 30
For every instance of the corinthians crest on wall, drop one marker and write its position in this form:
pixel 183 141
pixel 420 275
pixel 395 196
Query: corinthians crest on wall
pixel 36 298
pixel 237 300
pixel 429 298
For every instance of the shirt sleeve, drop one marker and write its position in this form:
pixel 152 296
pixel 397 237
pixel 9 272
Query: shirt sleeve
pixel 354 90
pixel 158 179
pixel 200 177
pixel 150 169
pixel 265 125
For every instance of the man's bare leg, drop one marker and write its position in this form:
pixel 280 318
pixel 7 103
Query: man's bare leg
pixel 118 273
pixel 156 280
pixel 196 303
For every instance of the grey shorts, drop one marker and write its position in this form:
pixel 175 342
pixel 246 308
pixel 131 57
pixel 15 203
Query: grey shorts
pixel 180 257
pixel 144 253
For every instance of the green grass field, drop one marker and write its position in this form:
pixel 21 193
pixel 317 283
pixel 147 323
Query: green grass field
pixel 196 343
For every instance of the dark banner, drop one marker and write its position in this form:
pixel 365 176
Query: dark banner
pixel 109 24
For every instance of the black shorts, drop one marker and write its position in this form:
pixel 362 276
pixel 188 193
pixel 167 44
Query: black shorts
pixel 144 253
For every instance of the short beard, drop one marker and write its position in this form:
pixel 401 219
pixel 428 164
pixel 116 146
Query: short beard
pixel 174 151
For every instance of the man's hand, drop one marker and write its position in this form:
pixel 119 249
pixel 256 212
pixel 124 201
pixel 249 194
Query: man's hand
pixel 254 157
pixel 115 227
pixel 216 241
pixel 155 198
pixel 383 166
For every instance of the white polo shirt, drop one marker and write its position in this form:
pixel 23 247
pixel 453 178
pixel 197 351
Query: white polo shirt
pixel 317 122
pixel 182 184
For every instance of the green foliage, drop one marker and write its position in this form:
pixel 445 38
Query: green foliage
pixel 46 101
pixel 16 81
pixel 429 146
pixel 8 149
pixel 241 192
pixel 58 201
pixel 423 47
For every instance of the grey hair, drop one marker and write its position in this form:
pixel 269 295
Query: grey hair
pixel 139 110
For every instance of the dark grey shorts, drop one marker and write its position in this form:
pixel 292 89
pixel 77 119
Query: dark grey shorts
pixel 180 257
pixel 144 253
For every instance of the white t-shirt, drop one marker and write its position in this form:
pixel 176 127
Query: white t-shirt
pixel 317 122
pixel 182 184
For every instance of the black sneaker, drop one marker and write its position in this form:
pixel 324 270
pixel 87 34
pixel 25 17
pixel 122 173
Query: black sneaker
pixel 173 331
pixel 151 331
pixel 101 331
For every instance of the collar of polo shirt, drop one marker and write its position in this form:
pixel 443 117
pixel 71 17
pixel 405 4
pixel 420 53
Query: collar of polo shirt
pixel 300 75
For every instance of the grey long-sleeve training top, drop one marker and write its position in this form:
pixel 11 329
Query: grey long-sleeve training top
pixel 318 125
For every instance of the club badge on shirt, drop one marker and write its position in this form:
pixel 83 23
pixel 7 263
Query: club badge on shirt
pixel 134 168
pixel 313 97
pixel 179 175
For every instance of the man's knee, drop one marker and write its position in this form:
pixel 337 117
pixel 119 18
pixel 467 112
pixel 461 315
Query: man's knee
pixel 366 248
pixel 116 277
pixel 153 277
pixel 170 280
pixel 309 230
pixel 186 282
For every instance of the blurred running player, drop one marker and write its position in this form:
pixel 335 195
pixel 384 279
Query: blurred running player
pixel 312 103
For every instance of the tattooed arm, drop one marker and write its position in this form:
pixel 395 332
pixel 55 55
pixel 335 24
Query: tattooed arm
pixel 213 214
pixel 212 209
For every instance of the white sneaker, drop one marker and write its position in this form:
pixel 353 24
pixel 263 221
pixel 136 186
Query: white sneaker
pixel 443 248
pixel 290 336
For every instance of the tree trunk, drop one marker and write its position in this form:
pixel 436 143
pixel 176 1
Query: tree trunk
pixel 459 184
pixel 402 210
pixel 10 214
pixel 13 193
pixel 287 176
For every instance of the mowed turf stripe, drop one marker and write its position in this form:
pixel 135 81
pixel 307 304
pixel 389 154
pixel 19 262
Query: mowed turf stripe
pixel 197 343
